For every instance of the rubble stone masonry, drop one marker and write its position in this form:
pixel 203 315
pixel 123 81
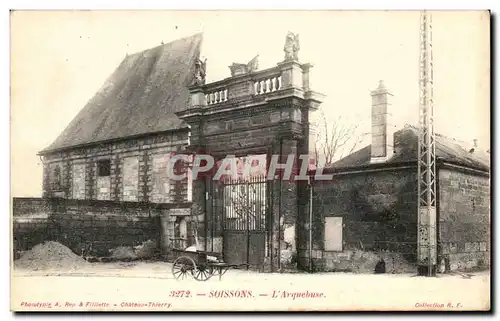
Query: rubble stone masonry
pixel 92 227
pixel 378 211
pixel 464 219
pixel 379 215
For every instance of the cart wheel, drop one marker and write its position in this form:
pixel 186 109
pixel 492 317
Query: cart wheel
pixel 203 272
pixel 183 267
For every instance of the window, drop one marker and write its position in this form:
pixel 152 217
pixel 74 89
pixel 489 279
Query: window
pixel 103 167
pixel 333 234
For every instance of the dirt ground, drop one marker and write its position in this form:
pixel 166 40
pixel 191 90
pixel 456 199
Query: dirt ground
pixel 150 286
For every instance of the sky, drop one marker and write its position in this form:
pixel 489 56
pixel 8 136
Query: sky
pixel 59 60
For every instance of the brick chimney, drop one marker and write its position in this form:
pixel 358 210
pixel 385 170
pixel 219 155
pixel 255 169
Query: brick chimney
pixel 382 147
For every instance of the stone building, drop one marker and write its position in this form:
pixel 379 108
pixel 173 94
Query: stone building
pixel 371 205
pixel 107 169
pixel 106 172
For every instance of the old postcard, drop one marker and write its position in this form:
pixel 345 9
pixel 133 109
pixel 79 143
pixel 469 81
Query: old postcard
pixel 250 160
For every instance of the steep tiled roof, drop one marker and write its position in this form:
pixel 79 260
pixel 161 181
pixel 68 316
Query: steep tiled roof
pixel 140 97
pixel 406 149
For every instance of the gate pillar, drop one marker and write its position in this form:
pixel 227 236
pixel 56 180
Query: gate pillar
pixel 284 209
pixel 213 213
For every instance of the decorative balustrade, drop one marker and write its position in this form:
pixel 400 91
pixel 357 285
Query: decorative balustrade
pixel 264 82
pixel 267 85
pixel 287 79
pixel 216 97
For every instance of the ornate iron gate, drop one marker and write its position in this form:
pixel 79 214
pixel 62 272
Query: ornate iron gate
pixel 243 209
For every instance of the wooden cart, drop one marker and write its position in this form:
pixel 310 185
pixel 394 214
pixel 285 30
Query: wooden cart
pixel 200 265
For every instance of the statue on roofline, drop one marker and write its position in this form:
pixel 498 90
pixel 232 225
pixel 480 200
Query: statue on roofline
pixel 292 46
pixel 253 64
pixel 240 69
pixel 200 72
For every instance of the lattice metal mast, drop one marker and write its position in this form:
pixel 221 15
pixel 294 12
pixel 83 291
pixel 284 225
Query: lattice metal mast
pixel 427 244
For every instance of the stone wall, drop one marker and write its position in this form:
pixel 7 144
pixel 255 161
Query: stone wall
pixel 378 211
pixel 96 233
pixel 30 231
pixel 30 223
pixel 132 158
pixel 103 188
pixel 130 179
pixel 31 206
pixel 78 181
pixel 379 219
pixel 93 227
pixel 464 219
pixel 161 182
pixel 98 226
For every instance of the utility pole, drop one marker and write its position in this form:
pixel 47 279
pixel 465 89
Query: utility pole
pixel 427 236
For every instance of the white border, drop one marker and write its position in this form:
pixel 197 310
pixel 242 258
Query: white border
pixel 200 4
pixel 255 4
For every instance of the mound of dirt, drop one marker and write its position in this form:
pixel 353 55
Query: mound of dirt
pixel 50 255
pixel 123 253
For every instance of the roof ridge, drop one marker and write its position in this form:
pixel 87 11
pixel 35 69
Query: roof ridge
pixel 196 35
pixel 437 134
